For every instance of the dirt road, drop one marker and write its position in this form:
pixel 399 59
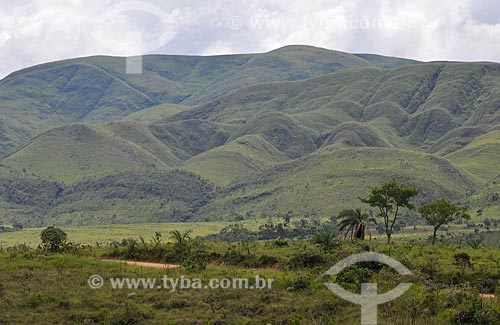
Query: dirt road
pixel 145 264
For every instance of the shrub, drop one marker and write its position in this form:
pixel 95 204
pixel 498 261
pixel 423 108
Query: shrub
pixel 301 283
pixel 306 259
pixel 280 243
pixel 197 257
pixel 265 260
pixel 53 239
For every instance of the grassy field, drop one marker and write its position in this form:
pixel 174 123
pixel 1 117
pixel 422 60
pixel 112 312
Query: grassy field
pixel 105 234
pixel 108 233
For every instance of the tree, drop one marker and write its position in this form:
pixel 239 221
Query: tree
pixel 53 238
pixel 181 243
pixel 442 212
pixel 355 222
pixel 389 199
pixel 179 238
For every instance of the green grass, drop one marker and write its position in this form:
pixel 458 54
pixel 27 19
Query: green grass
pixel 155 114
pixel 73 152
pixel 105 234
pixel 49 289
pixel 480 157
pixel 329 181
pixel 238 159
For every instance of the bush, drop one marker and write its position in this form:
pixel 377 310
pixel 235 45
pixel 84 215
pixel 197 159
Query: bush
pixel 53 239
pixel 266 260
pixel 306 259
pixel 280 243
pixel 301 283
pixel 197 257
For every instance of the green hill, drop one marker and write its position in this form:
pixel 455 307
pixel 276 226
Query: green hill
pixel 73 152
pixel 485 202
pixel 352 134
pixel 155 113
pixel 237 159
pixel 156 196
pixel 25 199
pixel 415 101
pixel 331 180
pixel 125 197
pixel 297 129
pixel 97 89
pixel 481 157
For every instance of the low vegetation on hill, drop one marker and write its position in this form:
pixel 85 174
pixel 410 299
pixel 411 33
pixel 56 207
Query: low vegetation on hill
pixel 297 129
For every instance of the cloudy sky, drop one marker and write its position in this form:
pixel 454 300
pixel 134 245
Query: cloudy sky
pixel 37 31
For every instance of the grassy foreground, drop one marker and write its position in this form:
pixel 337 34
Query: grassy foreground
pixel 53 289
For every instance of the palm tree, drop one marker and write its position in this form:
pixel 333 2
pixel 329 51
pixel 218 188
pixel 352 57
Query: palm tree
pixel 180 238
pixel 325 238
pixel 181 244
pixel 355 222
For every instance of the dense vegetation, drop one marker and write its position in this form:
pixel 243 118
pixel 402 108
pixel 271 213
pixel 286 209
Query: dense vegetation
pixel 173 195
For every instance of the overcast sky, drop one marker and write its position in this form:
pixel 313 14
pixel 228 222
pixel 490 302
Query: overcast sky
pixel 37 31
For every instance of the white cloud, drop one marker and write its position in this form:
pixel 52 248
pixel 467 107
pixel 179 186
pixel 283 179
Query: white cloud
pixel 37 31
pixel 219 47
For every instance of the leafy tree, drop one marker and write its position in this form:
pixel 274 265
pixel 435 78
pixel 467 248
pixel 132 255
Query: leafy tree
pixel 234 232
pixel 355 222
pixel 441 212
pixel 389 199
pixel 53 238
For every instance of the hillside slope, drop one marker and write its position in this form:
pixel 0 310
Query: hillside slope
pixel 97 89
pixel 237 159
pixel 73 152
pixel 327 182
pixel 124 197
pixel 297 129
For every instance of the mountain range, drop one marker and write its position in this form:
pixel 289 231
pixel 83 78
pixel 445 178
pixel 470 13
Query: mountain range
pixel 297 130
